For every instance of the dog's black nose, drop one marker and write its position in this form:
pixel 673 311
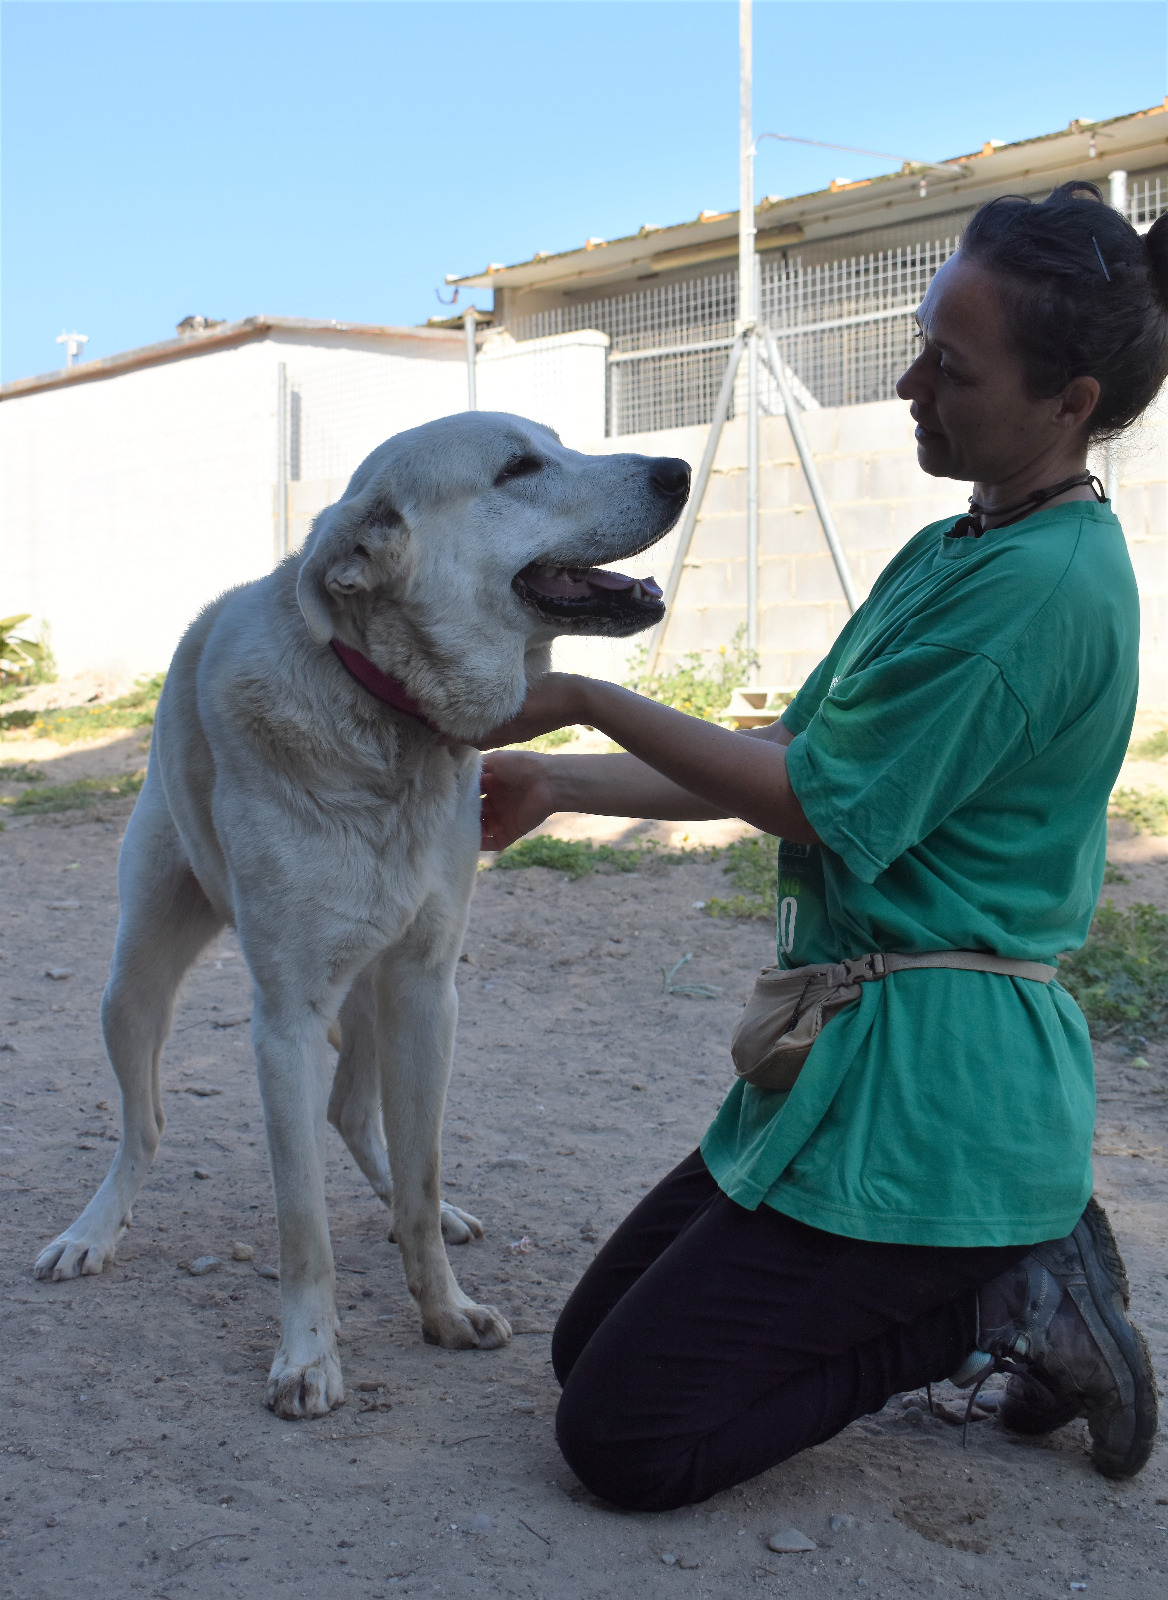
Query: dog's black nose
pixel 670 477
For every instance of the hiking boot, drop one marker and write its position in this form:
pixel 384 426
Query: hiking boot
pixel 1057 1322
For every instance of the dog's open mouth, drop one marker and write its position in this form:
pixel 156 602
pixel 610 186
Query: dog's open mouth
pixel 589 594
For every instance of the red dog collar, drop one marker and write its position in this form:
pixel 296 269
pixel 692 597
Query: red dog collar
pixel 386 689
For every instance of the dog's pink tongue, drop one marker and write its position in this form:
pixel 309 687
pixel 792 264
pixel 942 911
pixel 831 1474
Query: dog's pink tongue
pixel 560 584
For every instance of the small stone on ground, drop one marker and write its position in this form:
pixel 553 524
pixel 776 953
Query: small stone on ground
pixel 789 1540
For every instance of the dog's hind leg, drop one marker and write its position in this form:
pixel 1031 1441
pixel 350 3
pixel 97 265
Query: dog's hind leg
pixel 355 1107
pixel 417 1013
pixel 165 920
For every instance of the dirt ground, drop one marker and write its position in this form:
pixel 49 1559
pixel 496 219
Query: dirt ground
pixel 138 1457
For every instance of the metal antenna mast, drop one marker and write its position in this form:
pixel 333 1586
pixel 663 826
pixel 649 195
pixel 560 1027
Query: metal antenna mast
pixel 747 315
pixel 757 345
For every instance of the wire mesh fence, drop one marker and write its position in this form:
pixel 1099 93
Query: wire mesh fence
pixel 1147 199
pixel 340 408
pixel 844 329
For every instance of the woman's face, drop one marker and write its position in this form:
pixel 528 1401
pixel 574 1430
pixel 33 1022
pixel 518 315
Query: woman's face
pixel 975 419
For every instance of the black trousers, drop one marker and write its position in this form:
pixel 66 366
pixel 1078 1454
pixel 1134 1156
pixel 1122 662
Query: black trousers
pixel 707 1343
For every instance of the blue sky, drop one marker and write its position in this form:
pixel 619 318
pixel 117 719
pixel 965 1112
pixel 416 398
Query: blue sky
pixel 337 159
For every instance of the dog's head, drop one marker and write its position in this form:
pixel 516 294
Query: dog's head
pixel 460 549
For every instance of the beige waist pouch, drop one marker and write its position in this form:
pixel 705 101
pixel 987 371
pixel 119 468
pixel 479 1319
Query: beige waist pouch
pixel 789 1008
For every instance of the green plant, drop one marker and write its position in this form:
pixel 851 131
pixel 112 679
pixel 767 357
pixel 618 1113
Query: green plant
pixel 701 683
pixel 1120 976
pixel 1112 874
pixel 546 741
pixel 21 772
pixel 69 723
pixel 1151 748
pixel 69 796
pixel 752 865
pixel 1145 809
pixel 22 660
pixel 578 857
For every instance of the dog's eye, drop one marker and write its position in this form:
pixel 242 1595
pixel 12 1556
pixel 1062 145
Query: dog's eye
pixel 521 466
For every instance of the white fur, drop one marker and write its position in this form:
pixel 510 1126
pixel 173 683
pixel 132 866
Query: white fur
pixel 340 838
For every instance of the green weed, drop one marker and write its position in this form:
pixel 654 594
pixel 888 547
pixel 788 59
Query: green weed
pixel 752 865
pixel 1120 976
pixel 1145 809
pixel 578 857
pixel 21 772
pixel 700 683
pixel 23 660
pixel 546 741
pixel 70 723
pixel 69 796
pixel 1112 874
pixel 1151 748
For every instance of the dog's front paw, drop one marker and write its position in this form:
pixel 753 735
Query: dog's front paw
pixel 458 1226
pixel 467 1327
pixel 310 1388
pixel 78 1252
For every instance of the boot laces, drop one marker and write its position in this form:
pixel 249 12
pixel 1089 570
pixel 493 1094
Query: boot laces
pixel 1009 1358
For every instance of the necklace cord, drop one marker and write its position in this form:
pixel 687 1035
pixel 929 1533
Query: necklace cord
pixel 973 524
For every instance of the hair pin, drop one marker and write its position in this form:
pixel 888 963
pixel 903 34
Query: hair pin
pixel 1099 253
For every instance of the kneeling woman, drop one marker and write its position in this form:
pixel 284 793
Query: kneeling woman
pixel 919 1205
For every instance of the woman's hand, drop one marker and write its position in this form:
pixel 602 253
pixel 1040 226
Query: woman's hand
pixel 517 796
pixel 552 702
pixel 678 767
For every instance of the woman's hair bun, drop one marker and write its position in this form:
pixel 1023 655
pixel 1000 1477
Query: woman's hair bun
pixel 1085 295
pixel 1156 246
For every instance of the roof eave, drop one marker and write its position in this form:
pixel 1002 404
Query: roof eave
pixel 233 333
pixel 845 204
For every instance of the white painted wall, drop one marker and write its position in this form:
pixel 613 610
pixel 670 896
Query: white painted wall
pixel 131 501
pixel 558 381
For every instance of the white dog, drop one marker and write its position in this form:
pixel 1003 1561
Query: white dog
pixel 313 782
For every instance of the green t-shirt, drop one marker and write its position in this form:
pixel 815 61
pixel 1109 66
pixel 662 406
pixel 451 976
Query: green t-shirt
pixel 955 753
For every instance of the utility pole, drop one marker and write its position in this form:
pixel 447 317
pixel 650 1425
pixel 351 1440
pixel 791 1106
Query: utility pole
pixel 756 343
pixel 281 460
pixel 469 318
pixel 748 317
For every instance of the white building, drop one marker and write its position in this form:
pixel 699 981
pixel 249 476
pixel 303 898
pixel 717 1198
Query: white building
pixel 138 487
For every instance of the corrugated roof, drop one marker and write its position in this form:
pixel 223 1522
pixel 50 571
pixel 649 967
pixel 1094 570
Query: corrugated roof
pixel 846 207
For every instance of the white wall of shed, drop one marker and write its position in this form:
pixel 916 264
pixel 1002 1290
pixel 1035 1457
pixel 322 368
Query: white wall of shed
pixel 559 381
pixel 130 502
pixel 133 500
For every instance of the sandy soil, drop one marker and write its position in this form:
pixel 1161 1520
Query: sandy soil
pixel 138 1456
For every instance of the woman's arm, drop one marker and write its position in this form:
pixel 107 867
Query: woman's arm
pixel 679 767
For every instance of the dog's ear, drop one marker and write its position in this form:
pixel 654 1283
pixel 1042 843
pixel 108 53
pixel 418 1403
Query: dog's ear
pixel 353 547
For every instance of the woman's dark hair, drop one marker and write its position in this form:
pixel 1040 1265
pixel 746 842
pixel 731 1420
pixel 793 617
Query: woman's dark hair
pixel 1088 296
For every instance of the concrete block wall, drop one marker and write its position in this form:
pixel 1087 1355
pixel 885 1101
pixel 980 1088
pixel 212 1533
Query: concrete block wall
pixel 866 458
pixel 1141 502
